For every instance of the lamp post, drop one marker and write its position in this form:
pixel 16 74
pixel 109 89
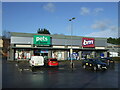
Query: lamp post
pixel 71 50
pixel 112 51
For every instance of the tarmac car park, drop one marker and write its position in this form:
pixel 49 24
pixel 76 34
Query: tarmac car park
pixel 94 64
pixel 61 77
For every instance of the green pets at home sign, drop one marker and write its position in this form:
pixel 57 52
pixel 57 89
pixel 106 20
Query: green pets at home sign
pixel 40 40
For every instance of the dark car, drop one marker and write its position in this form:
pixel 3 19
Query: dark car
pixel 94 64
pixel 107 60
pixel 51 62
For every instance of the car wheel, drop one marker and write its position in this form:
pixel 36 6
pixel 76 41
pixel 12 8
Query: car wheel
pixel 57 66
pixel 84 66
pixel 104 69
pixel 29 65
pixel 94 68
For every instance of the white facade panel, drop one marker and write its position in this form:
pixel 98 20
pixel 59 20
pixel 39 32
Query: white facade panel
pixel 74 47
pixel 99 47
pixel 1 43
pixel 21 40
pixel 58 46
pixel 23 45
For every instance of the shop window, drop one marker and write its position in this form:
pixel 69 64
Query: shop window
pixel 58 54
pixel 87 54
pixel 22 54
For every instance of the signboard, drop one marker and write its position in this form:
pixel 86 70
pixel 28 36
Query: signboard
pixel 40 40
pixel 44 51
pixel 88 42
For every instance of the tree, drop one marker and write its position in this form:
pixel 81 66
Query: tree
pixel 5 34
pixel 43 31
pixel 113 40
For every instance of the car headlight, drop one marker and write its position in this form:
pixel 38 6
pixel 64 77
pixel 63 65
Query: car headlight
pixel 98 65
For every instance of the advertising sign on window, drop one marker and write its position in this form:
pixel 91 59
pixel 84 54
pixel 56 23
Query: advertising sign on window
pixel 44 51
pixel 88 42
pixel 41 40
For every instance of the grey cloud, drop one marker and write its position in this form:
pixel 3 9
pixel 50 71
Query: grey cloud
pixel 104 25
pixel 50 7
pixel 84 11
pixel 113 28
pixel 97 10
pixel 100 25
pixel 106 33
pixel 104 28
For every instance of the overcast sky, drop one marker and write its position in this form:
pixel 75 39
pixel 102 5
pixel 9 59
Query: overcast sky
pixel 93 19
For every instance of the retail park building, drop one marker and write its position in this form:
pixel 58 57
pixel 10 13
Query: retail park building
pixel 24 45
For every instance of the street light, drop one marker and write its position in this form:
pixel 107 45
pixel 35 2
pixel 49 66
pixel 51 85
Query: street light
pixel 112 50
pixel 71 50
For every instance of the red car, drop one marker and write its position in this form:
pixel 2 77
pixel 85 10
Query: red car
pixel 52 62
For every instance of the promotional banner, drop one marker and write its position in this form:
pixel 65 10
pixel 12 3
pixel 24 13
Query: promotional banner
pixel 88 42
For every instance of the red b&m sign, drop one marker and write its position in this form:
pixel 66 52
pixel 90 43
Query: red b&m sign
pixel 88 42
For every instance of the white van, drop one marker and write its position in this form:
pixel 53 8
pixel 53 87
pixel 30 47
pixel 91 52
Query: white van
pixel 36 61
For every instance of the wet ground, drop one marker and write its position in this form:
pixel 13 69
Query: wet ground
pixel 0 73
pixel 20 75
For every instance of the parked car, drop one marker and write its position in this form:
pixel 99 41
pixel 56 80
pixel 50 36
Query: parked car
pixel 52 62
pixel 36 61
pixel 107 60
pixel 94 64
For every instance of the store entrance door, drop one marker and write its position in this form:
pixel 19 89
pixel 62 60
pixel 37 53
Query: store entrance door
pixel 86 54
pixel 44 53
pixel 37 52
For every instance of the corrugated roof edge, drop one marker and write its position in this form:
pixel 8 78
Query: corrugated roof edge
pixel 56 36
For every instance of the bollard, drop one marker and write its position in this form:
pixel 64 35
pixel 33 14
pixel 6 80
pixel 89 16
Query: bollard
pixel 72 65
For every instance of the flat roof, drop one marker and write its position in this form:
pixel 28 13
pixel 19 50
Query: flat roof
pixel 19 34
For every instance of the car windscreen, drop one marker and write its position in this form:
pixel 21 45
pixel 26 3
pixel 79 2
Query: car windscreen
pixel 86 60
pixel 109 58
pixel 97 60
pixel 53 59
pixel 90 60
pixel 103 59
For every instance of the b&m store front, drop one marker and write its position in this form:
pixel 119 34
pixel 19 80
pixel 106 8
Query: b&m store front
pixel 25 45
